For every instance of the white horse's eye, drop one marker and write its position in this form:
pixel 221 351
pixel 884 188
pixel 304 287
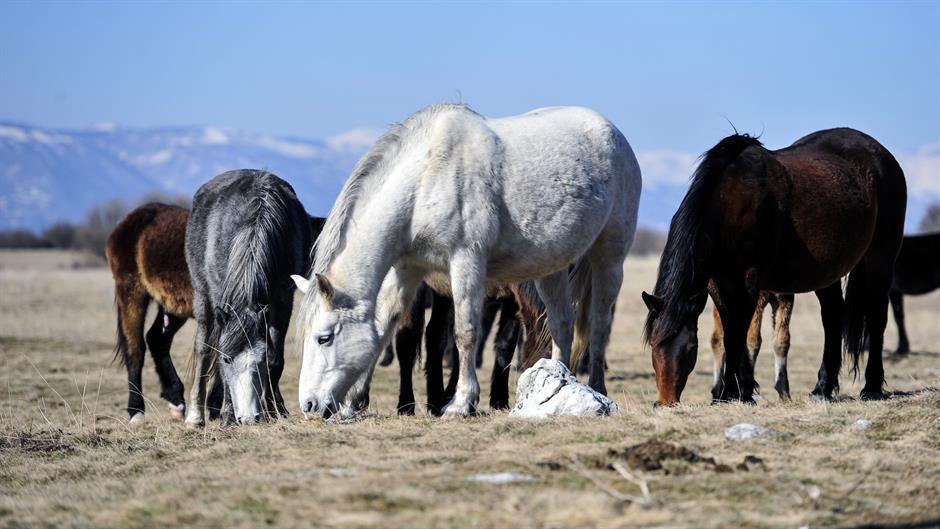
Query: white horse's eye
pixel 326 339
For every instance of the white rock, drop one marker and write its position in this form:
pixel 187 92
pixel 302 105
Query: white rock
pixel 340 472
pixel 501 477
pixel 744 430
pixel 548 388
pixel 862 424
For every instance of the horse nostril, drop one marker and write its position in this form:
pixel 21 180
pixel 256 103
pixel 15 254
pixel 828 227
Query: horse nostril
pixel 308 406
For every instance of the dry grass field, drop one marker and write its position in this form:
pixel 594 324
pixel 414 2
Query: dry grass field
pixel 69 459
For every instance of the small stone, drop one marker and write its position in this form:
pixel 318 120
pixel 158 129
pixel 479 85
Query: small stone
pixel 862 424
pixel 549 389
pixel 743 430
pixel 340 472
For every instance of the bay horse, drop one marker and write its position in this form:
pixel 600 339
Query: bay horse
pixel 793 220
pixel 781 307
pixel 247 233
pixel 147 261
pixel 916 272
pixel 466 202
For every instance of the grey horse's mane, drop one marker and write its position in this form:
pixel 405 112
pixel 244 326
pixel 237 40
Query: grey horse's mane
pixel 254 247
pixel 332 239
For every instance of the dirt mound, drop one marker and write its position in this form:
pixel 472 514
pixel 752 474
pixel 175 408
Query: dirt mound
pixel 650 455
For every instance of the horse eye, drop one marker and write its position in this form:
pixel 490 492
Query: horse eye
pixel 226 359
pixel 326 339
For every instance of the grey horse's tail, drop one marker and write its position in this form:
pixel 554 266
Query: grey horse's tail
pixel 579 277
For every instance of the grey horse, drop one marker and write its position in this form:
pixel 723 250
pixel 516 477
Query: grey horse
pixel 246 235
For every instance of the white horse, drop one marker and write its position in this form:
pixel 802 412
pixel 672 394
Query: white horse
pixel 468 203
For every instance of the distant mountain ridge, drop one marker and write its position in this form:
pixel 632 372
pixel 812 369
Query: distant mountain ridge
pixel 48 175
pixel 51 175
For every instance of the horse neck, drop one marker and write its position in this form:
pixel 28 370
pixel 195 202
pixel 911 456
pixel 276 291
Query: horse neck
pixel 375 240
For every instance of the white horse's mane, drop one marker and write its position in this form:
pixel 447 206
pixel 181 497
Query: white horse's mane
pixel 333 237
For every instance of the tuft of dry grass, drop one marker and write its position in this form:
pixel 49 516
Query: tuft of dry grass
pixel 69 459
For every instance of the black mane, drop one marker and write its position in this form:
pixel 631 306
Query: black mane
pixel 676 279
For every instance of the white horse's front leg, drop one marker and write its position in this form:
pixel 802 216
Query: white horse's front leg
pixel 396 295
pixel 468 285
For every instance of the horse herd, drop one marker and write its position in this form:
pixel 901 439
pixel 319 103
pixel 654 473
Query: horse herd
pixel 530 217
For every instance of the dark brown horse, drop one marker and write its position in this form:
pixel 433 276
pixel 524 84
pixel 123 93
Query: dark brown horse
pixel 781 306
pixel 916 272
pixel 145 253
pixel 793 220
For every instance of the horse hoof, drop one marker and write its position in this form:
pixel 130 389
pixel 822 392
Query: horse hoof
pixel 873 394
pixel 194 425
pixel 136 419
pixel 177 411
pixel 453 411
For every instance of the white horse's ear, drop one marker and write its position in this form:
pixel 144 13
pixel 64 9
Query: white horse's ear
pixel 326 288
pixel 302 283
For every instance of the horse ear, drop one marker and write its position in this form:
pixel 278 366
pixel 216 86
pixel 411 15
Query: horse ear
pixel 303 284
pixel 653 303
pixel 325 287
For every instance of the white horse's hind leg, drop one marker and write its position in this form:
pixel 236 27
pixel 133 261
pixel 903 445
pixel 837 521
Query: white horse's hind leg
pixel 555 293
pixel 605 285
pixel 468 285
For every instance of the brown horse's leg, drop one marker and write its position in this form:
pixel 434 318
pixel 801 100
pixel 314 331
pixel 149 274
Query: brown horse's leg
pixel 718 351
pixel 831 309
pixel 507 337
pixel 753 332
pixel 132 303
pixel 897 306
pixel 159 340
pixel 736 311
pixel 781 307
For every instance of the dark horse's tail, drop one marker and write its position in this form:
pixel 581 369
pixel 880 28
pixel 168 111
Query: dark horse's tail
pixel 855 324
pixel 120 344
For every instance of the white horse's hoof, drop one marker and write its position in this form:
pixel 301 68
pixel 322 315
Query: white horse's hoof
pixel 194 425
pixel 177 411
pixel 453 410
pixel 138 418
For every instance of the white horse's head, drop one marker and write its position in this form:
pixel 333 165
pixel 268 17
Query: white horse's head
pixel 339 341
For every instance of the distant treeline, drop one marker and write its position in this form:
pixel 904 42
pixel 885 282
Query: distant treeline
pixel 90 234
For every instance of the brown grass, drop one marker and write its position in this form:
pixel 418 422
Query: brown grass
pixel 68 458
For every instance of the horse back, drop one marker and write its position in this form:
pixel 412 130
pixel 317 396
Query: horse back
pixel 161 258
pixel 917 270
pixel 816 206
pixel 247 211
pixel 145 250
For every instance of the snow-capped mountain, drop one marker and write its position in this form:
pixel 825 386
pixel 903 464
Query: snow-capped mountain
pixel 47 175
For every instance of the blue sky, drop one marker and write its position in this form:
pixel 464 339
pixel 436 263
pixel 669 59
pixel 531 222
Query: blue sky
pixel 669 74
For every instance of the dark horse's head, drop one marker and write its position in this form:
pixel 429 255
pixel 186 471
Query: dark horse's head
pixel 680 294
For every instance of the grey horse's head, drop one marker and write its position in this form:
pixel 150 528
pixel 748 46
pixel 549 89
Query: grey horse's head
pixel 243 346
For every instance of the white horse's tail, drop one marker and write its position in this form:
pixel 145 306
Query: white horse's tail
pixel 579 278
